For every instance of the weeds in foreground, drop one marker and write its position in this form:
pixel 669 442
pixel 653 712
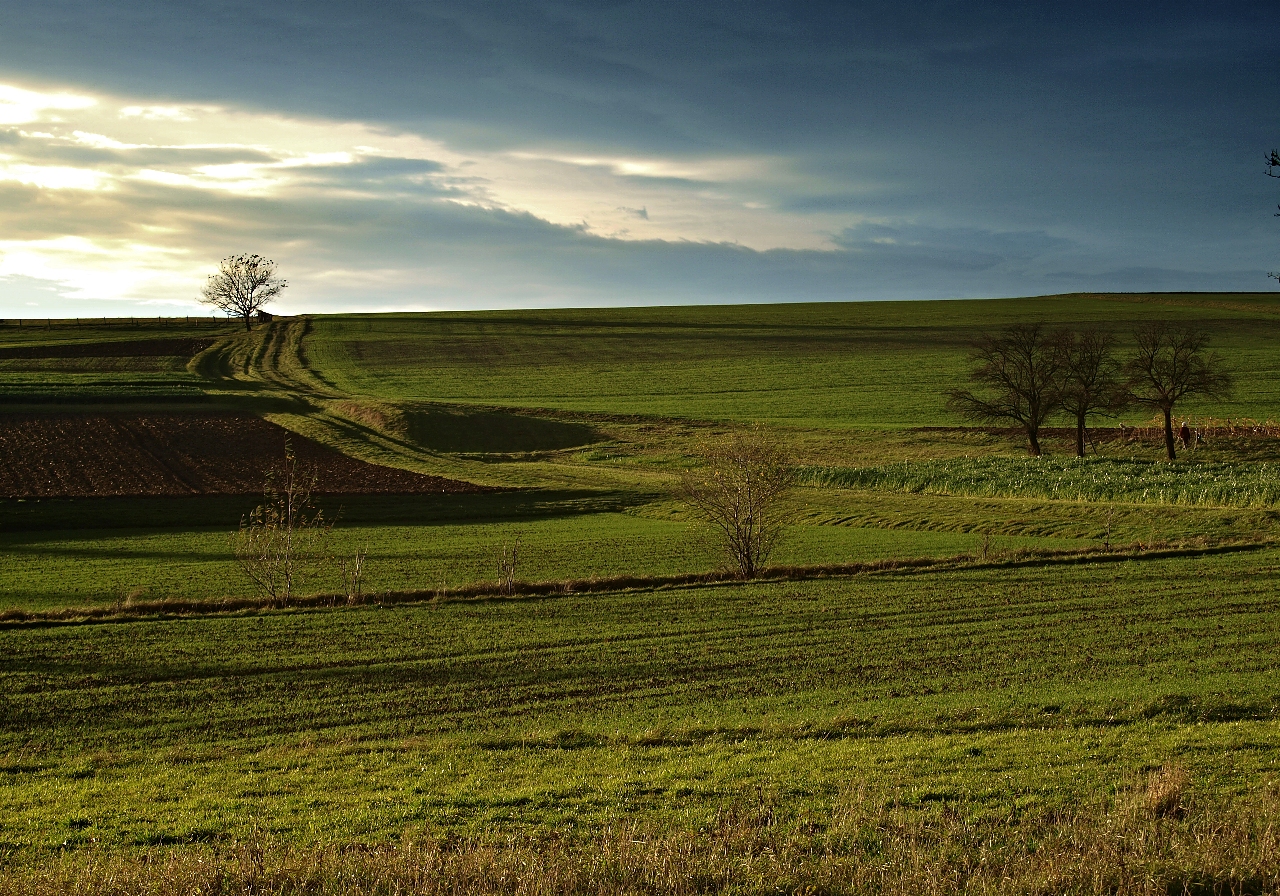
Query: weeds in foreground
pixel 1137 846
pixel 1166 792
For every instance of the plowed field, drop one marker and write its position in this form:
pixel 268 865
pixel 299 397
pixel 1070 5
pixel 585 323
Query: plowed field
pixel 81 455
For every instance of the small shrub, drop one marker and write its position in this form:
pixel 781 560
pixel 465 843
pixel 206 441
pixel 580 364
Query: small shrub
pixel 351 570
pixel 280 537
pixel 741 490
pixel 508 561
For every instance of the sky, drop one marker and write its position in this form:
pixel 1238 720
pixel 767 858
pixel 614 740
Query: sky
pixel 526 153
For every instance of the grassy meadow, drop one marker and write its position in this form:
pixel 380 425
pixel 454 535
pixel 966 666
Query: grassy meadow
pixel 1070 685
pixel 879 364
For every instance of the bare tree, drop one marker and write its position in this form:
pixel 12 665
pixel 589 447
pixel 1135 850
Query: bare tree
pixel 1273 170
pixel 243 284
pixel 1018 368
pixel 1173 363
pixel 741 490
pixel 1089 378
pixel 280 537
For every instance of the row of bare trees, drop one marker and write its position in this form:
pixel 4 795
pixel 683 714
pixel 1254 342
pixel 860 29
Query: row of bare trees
pixel 1027 374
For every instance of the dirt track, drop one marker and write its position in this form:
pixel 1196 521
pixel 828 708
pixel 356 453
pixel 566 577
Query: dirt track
pixel 81 455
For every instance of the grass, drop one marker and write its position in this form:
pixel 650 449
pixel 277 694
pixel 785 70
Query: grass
pixel 71 374
pixel 882 364
pixel 60 553
pixel 1098 479
pixel 52 569
pixel 869 848
pixel 1070 724
pixel 983 699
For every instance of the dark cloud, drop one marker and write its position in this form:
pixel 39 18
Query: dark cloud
pixel 433 253
pixel 919 241
pixel 1002 147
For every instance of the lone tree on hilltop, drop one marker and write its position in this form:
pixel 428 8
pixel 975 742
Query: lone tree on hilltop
pixel 1018 368
pixel 1173 363
pixel 243 284
pixel 1089 376
pixel 741 490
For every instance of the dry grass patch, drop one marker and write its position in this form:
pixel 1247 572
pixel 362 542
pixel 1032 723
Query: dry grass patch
pixel 864 847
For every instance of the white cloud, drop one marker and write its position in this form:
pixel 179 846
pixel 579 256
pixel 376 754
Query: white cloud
pixel 19 106
pixel 101 269
pixel 154 194
pixel 164 113
pixel 53 177
pixel 100 141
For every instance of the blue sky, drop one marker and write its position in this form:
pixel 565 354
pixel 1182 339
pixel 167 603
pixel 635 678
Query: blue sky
pixel 482 155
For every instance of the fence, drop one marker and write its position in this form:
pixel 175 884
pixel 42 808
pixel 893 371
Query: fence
pixel 100 323
pixel 1203 429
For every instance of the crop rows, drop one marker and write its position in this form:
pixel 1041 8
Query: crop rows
pixel 1069 479
pixel 1016 687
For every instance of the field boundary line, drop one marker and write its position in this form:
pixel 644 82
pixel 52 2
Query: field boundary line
pixel 127 611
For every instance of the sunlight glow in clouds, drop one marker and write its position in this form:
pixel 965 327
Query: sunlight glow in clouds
pixel 124 151
pixel 18 106
pixel 100 269
pixel 52 177
pixel 288 162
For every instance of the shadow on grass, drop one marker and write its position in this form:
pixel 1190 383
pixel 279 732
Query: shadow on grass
pixel 84 515
pixel 462 430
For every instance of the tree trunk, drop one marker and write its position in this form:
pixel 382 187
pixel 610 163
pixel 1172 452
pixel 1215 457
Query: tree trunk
pixel 1033 442
pixel 248 322
pixel 1168 433
pixel 1079 435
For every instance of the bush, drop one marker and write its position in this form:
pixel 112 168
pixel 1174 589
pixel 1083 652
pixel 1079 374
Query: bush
pixel 741 490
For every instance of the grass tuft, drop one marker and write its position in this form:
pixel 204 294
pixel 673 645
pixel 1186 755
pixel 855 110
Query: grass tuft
pixel 1166 793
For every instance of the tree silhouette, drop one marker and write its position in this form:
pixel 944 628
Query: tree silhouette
pixel 1173 363
pixel 1273 170
pixel 1018 369
pixel 243 284
pixel 1089 376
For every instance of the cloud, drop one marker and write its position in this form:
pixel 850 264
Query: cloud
pixel 456 154
pixel 19 106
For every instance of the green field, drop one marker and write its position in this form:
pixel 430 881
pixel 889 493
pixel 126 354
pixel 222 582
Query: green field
pixel 50 570
pixel 997 694
pixel 882 364
pixel 1001 720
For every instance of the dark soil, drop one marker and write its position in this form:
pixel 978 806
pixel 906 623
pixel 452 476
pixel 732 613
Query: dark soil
pixel 84 455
